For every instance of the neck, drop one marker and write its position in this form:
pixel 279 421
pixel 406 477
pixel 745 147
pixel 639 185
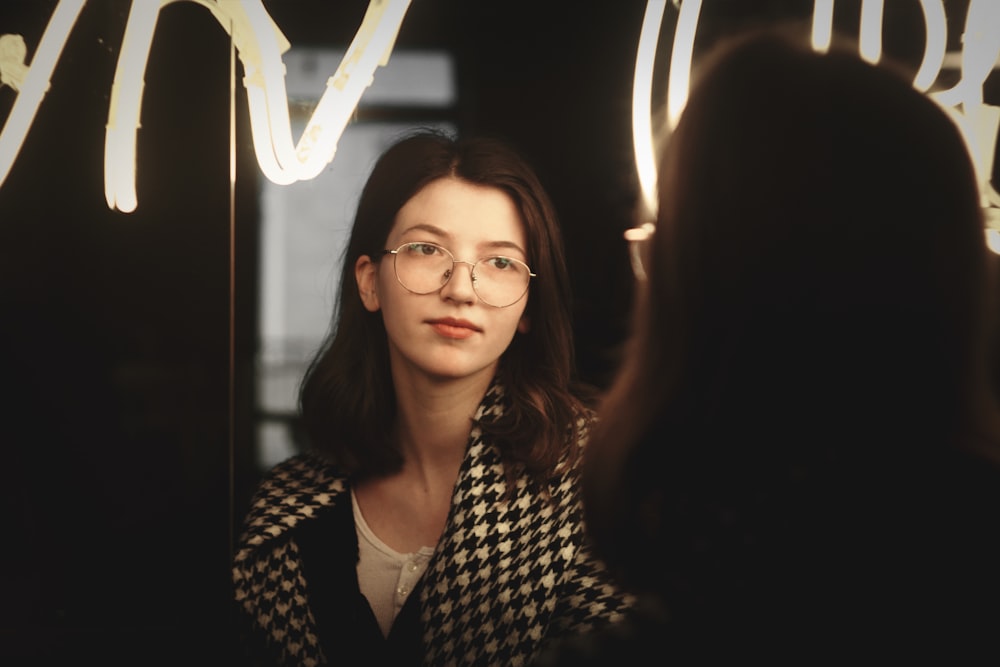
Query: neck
pixel 433 425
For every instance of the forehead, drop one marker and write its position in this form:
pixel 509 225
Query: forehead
pixel 452 210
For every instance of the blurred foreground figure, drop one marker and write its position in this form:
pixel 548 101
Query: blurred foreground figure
pixel 798 458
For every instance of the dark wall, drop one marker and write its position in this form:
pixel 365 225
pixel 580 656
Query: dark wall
pixel 115 339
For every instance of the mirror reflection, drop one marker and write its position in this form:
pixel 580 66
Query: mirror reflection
pixel 152 359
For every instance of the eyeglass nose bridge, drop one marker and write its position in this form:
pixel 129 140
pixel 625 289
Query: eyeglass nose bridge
pixel 472 271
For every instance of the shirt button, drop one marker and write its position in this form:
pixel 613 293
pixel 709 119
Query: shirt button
pixel 403 591
pixel 411 566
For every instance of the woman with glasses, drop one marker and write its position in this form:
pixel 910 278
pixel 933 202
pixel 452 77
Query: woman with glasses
pixel 799 459
pixel 434 516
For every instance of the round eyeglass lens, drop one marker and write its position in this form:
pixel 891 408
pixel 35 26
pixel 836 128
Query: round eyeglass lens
pixel 422 268
pixel 500 281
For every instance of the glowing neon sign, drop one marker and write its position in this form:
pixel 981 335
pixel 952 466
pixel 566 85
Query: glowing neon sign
pixel 978 122
pixel 259 44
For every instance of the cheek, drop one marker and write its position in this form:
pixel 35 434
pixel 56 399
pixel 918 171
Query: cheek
pixel 390 295
pixel 395 319
pixel 522 321
pixel 386 284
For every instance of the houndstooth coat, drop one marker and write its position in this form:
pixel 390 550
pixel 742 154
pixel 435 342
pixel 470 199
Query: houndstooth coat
pixel 507 575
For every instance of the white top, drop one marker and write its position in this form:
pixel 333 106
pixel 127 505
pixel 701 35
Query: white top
pixel 386 577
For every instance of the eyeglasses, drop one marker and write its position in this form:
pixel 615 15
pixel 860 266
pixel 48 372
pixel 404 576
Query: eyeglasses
pixel 424 268
pixel 638 238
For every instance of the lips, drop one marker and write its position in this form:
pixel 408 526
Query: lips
pixel 450 327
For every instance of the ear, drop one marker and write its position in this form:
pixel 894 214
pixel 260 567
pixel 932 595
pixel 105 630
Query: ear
pixel 366 276
pixel 524 325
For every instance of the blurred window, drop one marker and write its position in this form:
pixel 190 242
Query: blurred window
pixel 305 225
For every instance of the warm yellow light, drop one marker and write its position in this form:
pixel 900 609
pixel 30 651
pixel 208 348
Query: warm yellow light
pixel 31 82
pixel 678 84
pixel 822 25
pixel 126 106
pixel 980 56
pixel 642 92
pixel 870 29
pixel 936 25
pixel 369 49
pixel 259 44
pixel 978 122
pixel 993 240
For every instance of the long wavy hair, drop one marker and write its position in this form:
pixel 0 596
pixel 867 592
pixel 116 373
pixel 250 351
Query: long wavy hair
pixel 347 399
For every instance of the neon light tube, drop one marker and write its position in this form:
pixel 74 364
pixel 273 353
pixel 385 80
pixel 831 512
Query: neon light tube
pixel 36 82
pixel 260 45
pixel 642 92
pixel 871 30
pixel 370 49
pixel 680 60
pixel 281 161
pixel 822 25
pixel 125 107
pixel 936 24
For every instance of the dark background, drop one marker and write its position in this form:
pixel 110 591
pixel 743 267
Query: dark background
pixel 127 341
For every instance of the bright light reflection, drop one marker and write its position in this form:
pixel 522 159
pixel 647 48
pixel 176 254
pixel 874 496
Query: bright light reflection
pixel 870 42
pixel 259 44
pixel 822 25
pixel 33 84
pixel 126 107
pixel 642 132
pixel 679 79
pixel 980 55
pixel 936 24
pixel 993 240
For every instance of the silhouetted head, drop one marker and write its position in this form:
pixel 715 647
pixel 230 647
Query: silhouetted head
pixel 814 306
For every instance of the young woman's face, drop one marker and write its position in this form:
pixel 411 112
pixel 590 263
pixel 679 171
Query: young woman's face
pixel 449 333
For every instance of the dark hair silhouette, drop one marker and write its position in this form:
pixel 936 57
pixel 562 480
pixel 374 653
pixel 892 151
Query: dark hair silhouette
pixel 806 372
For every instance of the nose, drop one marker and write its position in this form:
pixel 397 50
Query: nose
pixel 460 287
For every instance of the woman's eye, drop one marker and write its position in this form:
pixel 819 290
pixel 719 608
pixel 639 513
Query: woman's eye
pixel 500 262
pixel 422 249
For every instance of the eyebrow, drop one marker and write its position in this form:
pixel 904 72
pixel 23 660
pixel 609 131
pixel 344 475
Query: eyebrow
pixel 443 236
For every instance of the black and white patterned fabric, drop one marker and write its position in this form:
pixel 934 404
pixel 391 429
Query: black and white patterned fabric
pixel 507 576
